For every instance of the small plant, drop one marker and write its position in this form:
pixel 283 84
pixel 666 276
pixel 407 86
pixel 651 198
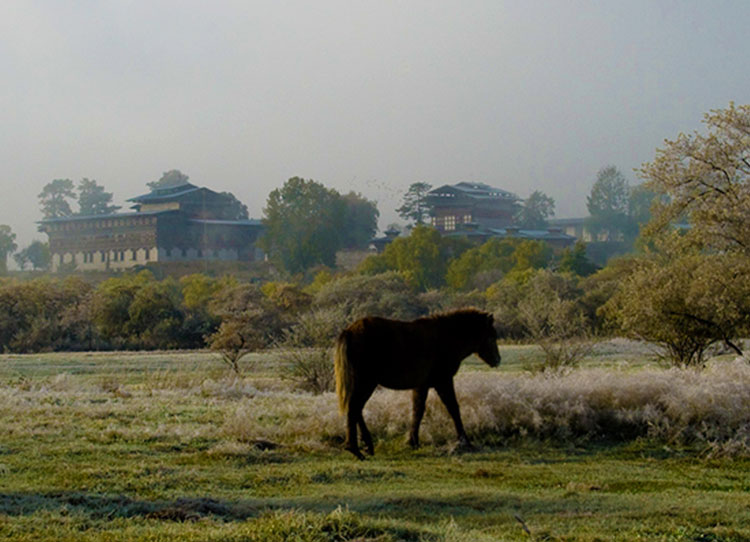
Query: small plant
pixel 311 369
pixel 554 321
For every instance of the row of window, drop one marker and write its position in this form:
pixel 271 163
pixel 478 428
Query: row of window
pixel 449 222
pixel 109 223
pixel 116 256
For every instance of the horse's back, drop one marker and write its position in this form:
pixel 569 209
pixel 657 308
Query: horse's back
pixel 394 353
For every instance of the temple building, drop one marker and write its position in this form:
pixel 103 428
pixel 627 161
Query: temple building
pixel 471 203
pixel 181 222
pixel 480 212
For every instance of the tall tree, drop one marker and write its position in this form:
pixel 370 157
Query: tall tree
pixel 54 198
pixel 37 254
pixel 608 204
pixel 7 246
pixel 360 220
pixel 93 200
pixel 234 209
pixel 304 225
pixel 535 212
pixel 705 178
pixel 414 207
pixel 173 177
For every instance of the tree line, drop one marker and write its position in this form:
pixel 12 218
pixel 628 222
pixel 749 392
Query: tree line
pixel 685 287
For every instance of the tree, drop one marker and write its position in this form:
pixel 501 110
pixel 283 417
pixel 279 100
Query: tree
pixel 37 254
pixel 421 258
pixel 7 246
pixel 93 200
pixel 360 221
pixel 304 225
pixel 249 322
pixel 531 255
pixel 535 212
pixel 551 312
pixel 685 300
pixel 54 198
pixel 608 204
pixel 414 207
pixel 575 261
pixel 233 209
pixel 705 179
pixel 173 177
pixel 495 255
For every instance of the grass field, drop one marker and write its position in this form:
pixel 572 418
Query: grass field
pixel 168 446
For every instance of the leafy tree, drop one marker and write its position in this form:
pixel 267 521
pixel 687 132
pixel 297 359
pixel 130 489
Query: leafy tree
pixel 304 225
pixel 54 198
pixel 44 314
pixel 93 200
pixel 414 207
pixel 575 261
pixel 421 258
pixel 495 255
pixel 360 221
pixel 531 255
pixel 705 178
pixel 608 204
pixel 37 254
pixel 173 177
pixel 535 212
pixel 639 207
pixel 21 259
pixel 234 209
pixel 7 246
pixel 554 318
pixel 111 301
pixel 154 316
pixel 685 300
pixel 249 322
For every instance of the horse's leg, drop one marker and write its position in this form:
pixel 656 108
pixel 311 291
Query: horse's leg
pixel 448 395
pixel 354 418
pixel 366 437
pixel 418 399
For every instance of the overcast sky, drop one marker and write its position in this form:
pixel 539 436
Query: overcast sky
pixel 368 96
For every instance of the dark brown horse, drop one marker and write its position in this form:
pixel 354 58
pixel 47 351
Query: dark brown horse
pixel 417 355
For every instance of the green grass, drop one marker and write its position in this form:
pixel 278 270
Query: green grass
pixel 152 446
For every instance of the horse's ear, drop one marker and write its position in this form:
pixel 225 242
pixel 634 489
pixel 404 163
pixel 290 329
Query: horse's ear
pixel 491 318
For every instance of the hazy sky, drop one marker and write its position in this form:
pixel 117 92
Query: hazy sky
pixel 369 96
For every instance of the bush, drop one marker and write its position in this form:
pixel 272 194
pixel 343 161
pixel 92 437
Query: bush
pixel 685 301
pixel 554 319
pixel 311 369
pixel 386 294
pixel 45 314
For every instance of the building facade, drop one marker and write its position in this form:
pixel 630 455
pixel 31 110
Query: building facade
pixel 176 223
pixel 471 203
pixel 479 211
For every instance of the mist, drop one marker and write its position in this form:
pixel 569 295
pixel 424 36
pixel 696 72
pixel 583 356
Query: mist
pixel 369 97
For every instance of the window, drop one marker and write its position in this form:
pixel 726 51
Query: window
pixel 467 219
pixel 450 222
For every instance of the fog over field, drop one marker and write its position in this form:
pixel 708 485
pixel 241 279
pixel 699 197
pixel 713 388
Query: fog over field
pixel 365 96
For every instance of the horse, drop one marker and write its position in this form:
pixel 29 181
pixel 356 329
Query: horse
pixel 418 355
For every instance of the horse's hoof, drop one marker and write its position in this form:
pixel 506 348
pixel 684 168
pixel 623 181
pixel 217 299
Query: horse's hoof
pixel 463 446
pixel 356 453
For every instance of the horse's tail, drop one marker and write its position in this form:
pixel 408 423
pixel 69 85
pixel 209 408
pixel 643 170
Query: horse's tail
pixel 344 371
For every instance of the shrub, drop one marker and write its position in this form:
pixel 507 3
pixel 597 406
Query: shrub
pixel 554 319
pixel 311 369
pixel 685 301
pixel 387 294
pixel 249 322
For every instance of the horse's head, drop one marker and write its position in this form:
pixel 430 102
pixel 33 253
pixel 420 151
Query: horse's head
pixel 487 347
